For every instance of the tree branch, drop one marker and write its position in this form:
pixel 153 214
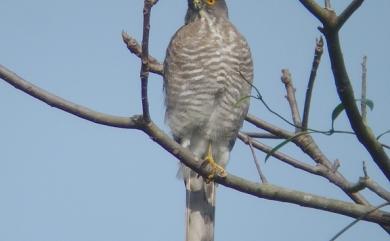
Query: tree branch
pixel 315 9
pixel 261 135
pixel 148 4
pixel 135 48
pixel 263 178
pixel 319 49
pixel 277 131
pixel 376 188
pixel 348 11
pixel 18 82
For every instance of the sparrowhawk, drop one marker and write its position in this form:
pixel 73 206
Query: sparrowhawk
pixel 208 73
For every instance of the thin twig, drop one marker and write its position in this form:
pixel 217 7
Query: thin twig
pixel 363 104
pixel 263 179
pixel 144 74
pixel 357 220
pixel 262 135
pixel 262 124
pixel 385 146
pixel 319 49
pixel 367 182
pixel 377 189
pixel 135 48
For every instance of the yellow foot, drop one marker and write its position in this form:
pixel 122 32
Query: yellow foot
pixel 215 168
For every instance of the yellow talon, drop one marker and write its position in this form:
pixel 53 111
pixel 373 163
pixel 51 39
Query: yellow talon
pixel 215 168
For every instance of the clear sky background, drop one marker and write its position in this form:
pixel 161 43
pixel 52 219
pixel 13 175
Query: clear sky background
pixel 66 179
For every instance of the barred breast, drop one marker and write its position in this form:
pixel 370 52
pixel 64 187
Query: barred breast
pixel 208 70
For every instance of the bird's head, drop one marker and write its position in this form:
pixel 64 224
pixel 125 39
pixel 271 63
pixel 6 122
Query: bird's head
pixel 212 8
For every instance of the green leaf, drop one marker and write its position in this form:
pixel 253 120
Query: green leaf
pixel 340 108
pixel 336 112
pixel 283 143
pixel 368 102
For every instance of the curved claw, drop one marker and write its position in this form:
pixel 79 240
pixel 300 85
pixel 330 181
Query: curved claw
pixel 215 168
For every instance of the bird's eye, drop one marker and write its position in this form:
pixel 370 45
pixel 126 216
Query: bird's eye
pixel 210 2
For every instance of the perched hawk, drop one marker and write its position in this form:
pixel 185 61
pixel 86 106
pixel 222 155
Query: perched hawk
pixel 208 73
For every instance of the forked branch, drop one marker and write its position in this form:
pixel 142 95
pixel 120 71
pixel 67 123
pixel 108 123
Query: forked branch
pixel 331 26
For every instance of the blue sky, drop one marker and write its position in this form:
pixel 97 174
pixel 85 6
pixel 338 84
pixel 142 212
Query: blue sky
pixel 63 178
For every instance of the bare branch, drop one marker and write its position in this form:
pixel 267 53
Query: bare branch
pixel 277 131
pixel 319 49
pixel 376 188
pixel 347 13
pixel 287 81
pixel 135 48
pixel 72 108
pixel 261 135
pixel 327 16
pixel 263 179
pixel 148 4
pixel 313 7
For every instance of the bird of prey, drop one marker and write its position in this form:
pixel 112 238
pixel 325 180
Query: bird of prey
pixel 208 75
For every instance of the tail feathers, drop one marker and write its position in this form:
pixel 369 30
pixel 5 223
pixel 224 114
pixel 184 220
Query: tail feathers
pixel 200 208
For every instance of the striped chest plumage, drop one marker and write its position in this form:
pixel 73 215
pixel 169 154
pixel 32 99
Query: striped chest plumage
pixel 208 69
